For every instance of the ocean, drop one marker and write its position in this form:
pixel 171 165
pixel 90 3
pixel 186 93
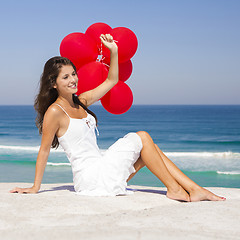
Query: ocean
pixel 202 140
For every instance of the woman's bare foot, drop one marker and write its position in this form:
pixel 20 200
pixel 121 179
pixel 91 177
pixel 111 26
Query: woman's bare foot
pixel 180 194
pixel 201 194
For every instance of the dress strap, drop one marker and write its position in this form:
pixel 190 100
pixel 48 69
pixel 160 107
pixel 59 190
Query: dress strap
pixel 62 108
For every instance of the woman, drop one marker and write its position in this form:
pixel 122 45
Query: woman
pixel 64 118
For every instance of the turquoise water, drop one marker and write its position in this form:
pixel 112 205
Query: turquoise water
pixel 203 141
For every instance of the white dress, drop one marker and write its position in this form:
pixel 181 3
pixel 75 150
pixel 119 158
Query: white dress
pixel 96 173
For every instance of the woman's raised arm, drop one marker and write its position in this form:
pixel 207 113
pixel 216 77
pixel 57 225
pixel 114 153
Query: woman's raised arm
pixel 50 127
pixel 95 94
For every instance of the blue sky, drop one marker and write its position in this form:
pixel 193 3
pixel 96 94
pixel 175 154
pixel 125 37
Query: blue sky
pixel 188 53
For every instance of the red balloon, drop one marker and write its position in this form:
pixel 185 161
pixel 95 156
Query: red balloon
pixel 127 44
pixel 90 76
pixel 95 30
pixel 125 70
pixel 79 48
pixel 119 99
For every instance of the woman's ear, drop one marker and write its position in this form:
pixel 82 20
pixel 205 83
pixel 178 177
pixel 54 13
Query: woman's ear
pixel 53 83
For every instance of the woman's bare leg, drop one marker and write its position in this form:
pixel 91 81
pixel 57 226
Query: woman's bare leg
pixel 154 162
pixel 137 165
pixel 196 192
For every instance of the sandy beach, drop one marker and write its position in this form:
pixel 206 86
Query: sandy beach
pixel 56 212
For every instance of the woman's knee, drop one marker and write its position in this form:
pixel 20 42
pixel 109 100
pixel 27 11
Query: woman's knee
pixel 144 136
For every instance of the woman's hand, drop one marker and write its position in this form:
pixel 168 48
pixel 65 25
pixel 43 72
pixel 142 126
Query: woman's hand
pixel 108 42
pixel 24 190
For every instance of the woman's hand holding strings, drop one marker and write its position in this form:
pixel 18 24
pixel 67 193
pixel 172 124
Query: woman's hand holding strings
pixel 108 42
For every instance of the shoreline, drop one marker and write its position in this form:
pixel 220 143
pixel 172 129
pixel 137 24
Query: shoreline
pixel 56 211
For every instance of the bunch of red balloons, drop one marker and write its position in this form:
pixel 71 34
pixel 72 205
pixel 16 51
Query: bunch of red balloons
pixel 92 60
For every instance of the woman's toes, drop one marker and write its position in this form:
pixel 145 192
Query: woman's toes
pixel 203 194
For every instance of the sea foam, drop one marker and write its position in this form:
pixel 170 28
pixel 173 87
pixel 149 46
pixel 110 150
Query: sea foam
pixel 228 154
pixel 58 164
pixel 229 172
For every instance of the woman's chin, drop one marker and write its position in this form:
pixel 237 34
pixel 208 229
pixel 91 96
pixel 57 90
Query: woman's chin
pixel 73 91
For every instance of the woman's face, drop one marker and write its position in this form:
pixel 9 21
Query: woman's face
pixel 66 82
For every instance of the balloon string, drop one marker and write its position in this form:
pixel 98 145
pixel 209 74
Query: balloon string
pixel 101 60
pixel 102 57
pixel 106 64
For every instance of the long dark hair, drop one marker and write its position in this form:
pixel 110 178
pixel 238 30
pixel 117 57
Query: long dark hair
pixel 48 95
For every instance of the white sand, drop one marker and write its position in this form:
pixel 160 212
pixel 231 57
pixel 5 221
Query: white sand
pixel 56 212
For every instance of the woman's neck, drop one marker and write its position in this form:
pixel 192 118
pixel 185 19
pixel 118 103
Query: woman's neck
pixel 66 101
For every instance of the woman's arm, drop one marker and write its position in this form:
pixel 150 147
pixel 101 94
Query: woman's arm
pixel 50 127
pixel 95 94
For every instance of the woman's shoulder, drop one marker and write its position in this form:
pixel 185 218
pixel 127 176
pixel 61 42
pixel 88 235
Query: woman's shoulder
pixel 51 120
pixel 53 111
pixel 82 100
